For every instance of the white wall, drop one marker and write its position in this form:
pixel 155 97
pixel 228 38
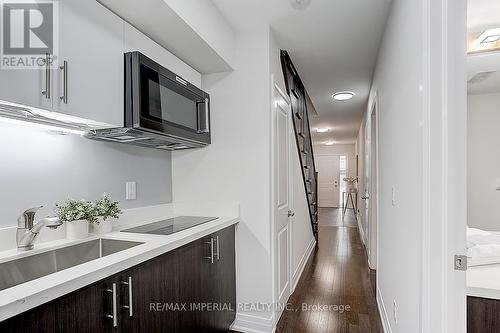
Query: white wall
pixel 398 76
pixel 483 161
pixel 43 169
pixel 236 166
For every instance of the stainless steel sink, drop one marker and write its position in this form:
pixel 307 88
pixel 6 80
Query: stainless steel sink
pixel 28 268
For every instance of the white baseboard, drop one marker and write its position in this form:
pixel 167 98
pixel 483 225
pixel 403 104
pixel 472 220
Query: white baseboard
pixel 302 263
pixel 383 313
pixel 253 324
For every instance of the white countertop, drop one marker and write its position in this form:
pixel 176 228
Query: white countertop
pixel 484 281
pixel 30 294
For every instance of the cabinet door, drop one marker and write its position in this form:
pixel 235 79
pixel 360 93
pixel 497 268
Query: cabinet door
pixel 91 43
pixel 87 310
pixel 224 279
pixel 195 274
pixel 154 291
pixel 40 319
pixel 27 87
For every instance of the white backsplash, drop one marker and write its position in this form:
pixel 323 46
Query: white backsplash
pixel 133 216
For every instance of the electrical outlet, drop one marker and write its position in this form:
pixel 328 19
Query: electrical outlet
pixel 130 190
pixel 393 196
pixel 395 311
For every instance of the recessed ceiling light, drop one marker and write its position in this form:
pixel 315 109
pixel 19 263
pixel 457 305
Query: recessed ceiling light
pixel 329 143
pixel 322 130
pixel 300 4
pixel 343 95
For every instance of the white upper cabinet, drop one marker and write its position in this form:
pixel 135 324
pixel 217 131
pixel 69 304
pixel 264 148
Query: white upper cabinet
pixel 89 83
pixel 31 87
pixel 27 87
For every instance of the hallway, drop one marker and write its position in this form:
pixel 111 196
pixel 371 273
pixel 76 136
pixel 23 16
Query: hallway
pixel 336 274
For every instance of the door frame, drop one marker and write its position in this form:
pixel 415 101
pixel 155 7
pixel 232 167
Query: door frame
pixel 444 199
pixel 372 150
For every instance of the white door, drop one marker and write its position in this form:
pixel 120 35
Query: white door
pixel 281 196
pixel 328 180
pixel 91 43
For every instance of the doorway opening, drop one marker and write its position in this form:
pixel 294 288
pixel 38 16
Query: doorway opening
pixel 483 163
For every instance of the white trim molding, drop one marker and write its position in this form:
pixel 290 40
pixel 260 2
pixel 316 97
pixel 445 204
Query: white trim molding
pixel 247 323
pixel 383 313
pixel 444 188
pixel 302 264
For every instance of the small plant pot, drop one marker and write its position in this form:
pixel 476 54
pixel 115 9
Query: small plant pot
pixel 103 227
pixel 350 187
pixel 77 229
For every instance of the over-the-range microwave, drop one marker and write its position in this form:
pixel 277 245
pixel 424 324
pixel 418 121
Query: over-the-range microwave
pixel 162 110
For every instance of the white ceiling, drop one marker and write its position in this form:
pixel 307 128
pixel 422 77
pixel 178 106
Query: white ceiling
pixel 482 15
pixel 334 46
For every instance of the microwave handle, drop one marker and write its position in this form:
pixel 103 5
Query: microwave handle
pixel 204 120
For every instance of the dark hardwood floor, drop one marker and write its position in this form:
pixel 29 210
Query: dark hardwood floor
pixel 337 274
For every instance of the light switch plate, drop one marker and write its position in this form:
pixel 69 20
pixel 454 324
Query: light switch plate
pixel 130 190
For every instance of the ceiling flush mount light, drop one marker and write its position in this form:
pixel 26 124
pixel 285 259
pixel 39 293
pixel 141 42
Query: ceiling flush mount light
pixel 486 41
pixel 343 95
pixel 300 4
pixel 322 130
pixel 490 36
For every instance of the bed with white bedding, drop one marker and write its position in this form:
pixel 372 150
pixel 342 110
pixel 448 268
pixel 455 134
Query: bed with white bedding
pixel 483 247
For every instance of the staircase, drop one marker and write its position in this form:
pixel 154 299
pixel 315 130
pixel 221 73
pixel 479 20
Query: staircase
pixel 297 94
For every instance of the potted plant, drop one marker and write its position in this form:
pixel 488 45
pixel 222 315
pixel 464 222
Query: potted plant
pixel 350 184
pixel 107 212
pixel 76 215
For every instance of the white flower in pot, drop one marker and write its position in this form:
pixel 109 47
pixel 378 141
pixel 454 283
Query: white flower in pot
pixel 107 212
pixel 76 215
pixel 350 183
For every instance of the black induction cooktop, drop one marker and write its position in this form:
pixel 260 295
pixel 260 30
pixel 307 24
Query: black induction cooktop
pixel 170 226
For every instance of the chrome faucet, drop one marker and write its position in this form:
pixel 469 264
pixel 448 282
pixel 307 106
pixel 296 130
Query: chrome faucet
pixel 27 230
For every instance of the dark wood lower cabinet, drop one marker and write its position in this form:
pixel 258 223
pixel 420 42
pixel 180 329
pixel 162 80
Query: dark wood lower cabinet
pixel 190 289
pixel 483 315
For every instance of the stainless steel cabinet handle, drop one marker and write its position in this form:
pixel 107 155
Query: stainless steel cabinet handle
pixel 46 92
pixel 211 258
pixel 218 248
pixel 204 122
pixel 113 316
pixel 64 69
pixel 129 306
pixel 207 116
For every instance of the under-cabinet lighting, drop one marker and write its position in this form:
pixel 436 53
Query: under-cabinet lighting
pixel 329 143
pixel 343 95
pixel 52 128
pixel 322 130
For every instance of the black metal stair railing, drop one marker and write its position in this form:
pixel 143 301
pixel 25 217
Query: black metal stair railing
pixel 296 91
